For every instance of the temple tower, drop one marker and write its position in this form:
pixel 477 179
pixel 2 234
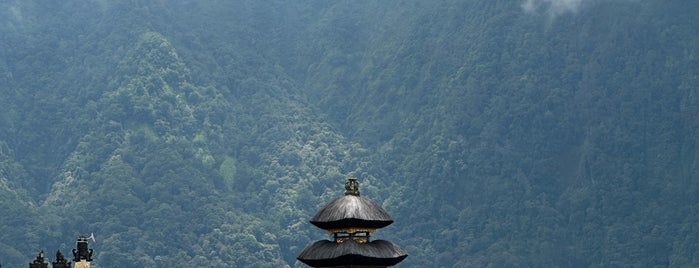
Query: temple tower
pixel 351 219
pixel 82 254
pixel 60 261
pixel 39 262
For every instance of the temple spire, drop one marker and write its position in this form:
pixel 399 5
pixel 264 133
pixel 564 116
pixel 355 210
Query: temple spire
pixel 352 186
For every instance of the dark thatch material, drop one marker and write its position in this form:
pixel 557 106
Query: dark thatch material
pixel 326 253
pixel 351 211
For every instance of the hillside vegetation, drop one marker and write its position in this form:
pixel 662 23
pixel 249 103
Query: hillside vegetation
pixel 531 133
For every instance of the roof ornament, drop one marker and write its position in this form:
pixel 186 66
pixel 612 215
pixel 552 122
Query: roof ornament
pixel 352 186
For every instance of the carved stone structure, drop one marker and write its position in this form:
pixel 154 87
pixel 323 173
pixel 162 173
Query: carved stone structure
pixel 39 262
pixel 351 219
pixel 352 186
pixel 82 254
pixel 60 261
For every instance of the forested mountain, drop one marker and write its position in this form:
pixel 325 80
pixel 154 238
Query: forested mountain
pixel 207 133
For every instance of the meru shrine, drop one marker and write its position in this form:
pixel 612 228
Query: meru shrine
pixel 351 219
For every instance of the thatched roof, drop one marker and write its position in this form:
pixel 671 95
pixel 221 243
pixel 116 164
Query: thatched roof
pixel 326 253
pixel 351 211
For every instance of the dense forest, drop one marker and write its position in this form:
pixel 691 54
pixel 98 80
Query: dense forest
pixel 532 133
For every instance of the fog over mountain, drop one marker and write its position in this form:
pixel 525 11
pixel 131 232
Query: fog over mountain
pixel 554 7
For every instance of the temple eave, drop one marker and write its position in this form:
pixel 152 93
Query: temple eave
pixel 326 253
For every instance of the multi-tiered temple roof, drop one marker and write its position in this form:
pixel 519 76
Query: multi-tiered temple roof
pixel 352 219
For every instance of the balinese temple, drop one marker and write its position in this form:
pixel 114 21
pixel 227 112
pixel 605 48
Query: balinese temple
pixel 82 255
pixel 351 220
pixel 60 261
pixel 39 262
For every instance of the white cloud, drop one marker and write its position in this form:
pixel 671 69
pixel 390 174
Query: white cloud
pixel 552 7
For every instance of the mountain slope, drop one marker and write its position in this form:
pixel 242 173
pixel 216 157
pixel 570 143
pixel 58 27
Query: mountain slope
pixel 499 133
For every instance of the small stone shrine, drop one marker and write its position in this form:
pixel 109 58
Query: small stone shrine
pixel 60 261
pixel 351 219
pixel 82 254
pixel 39 262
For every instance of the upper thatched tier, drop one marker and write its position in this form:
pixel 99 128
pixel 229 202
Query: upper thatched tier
pixel 351 211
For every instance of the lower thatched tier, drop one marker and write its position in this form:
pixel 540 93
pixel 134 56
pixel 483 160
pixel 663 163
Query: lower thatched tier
pixel 326 253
